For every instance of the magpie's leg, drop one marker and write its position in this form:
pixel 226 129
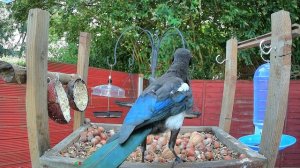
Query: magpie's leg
pixel 143 145
pixel 172 142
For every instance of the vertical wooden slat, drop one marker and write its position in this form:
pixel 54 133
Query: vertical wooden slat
pixel 280 66
pixel 36 88
pixel 140 84
pixel 82 70
pixel 229 84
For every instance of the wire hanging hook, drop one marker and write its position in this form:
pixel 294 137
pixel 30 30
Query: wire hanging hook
pixel 159 40
pixel 220 62
pixel 262 48
pixel 265 46
pixel 131 61
pixel 183 41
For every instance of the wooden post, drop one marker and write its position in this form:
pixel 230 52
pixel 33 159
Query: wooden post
pixel 280 66
pixel 140 84
pixel 36 88
pixel 229 84
pixel 82 70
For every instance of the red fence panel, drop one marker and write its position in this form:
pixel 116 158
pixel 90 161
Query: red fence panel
pixel 207 94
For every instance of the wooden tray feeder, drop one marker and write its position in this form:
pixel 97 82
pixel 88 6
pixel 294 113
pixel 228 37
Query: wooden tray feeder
pixel 53 157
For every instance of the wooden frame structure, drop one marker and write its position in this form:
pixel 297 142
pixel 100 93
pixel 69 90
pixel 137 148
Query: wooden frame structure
pixel 36 87
pixel 36 91
pixel 280 37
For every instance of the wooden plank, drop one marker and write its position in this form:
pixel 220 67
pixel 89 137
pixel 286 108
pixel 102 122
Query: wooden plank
pixel 82 70
pixel 140 84
pixel 36 88
pixel 278 85
pixel 229 85
pixel 254 42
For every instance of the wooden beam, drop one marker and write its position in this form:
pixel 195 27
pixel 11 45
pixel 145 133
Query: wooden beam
pixel 229 85
pixel 36 88
pixel 254 42
pixel 82 70
pixel 280 67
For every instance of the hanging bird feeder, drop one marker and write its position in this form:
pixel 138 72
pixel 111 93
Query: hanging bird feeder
pixel 109 90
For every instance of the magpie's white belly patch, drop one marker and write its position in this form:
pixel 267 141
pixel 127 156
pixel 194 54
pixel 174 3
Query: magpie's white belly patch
pixel 183 87
pixel 175 122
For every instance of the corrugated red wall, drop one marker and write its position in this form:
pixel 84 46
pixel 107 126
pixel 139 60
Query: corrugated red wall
pixel 14 150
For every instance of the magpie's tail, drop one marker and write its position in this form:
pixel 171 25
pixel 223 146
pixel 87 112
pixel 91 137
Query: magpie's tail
pixel 114 154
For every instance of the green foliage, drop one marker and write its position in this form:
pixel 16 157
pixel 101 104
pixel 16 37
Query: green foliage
pixel 206 26
pixel 14 60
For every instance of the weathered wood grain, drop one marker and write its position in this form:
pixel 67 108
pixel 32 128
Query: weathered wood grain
pixel 82 70
pixel 229 85
pixel 36 88
pixel 280 67
pixel 53 159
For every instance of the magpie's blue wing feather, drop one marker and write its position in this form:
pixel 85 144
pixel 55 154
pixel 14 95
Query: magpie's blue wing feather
pixel 153 105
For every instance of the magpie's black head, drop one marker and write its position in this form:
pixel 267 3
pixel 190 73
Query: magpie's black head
pixel 182 55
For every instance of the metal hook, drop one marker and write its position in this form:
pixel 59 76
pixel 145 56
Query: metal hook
pixel 131 61
pixel 157 46
pixel 183 41
pixel 262 48
pixel 262 57
pixel 220 62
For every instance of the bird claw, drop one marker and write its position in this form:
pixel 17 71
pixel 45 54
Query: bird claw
pixel 177 161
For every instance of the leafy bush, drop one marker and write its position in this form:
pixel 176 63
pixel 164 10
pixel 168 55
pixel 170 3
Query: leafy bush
pixel 206 26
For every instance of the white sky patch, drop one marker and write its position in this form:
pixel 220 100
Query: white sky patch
pixel 6 1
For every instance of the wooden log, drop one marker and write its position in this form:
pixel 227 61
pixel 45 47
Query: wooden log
pixel 229 85
pixel 17 74
pixel 280 66
pixel 63 77
pixel 82 70
pixel 78 95
pixel 36 88
pixel 12 73
pixel 58 103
